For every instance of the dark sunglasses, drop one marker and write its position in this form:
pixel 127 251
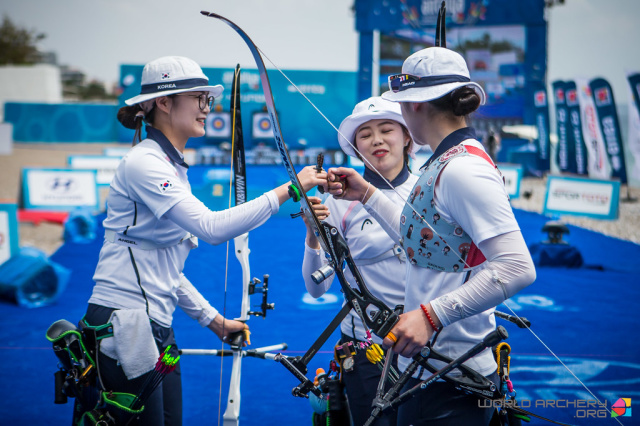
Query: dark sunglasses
pixel 203 100
pixel 400 82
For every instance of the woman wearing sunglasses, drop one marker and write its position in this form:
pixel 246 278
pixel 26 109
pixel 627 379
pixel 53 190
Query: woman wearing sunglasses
pixel 153 222
pixel 466 251
pixel 376 134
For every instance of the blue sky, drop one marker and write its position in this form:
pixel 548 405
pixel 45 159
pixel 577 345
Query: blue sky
pixel 587 38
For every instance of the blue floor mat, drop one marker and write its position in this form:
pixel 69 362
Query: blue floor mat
pixel 585 315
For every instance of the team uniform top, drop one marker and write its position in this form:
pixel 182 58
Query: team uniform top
pixel 468 187
pixel 381 265
pixel 153 222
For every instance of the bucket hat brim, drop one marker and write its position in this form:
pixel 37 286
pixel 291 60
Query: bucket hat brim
pixel 214 91
pixel 426 94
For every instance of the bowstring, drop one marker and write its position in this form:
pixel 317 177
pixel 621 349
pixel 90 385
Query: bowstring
pixel 419 215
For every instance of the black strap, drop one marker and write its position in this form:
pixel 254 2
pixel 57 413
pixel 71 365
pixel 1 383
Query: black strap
pixel 346 308
pixel 99 331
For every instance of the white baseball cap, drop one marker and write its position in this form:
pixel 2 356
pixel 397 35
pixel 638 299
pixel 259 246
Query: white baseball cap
pixel 170 75
pixel 430 74
pixel 374 108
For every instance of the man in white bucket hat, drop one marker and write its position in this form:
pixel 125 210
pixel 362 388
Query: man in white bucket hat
pixel 376 134
pixel 457 227
pixel 153 222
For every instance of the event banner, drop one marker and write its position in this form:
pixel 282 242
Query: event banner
pixel 608 121
pixel 633 139
pixel 565 153
pixel 541 107
pixel 575 126
pixel 598 163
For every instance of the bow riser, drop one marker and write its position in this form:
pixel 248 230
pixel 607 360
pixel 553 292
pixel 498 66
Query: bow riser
pixel 241 244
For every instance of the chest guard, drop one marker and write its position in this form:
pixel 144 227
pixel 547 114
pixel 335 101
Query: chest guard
pixel 448 248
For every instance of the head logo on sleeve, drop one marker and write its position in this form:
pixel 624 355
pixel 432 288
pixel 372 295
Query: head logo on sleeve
pixel 166 185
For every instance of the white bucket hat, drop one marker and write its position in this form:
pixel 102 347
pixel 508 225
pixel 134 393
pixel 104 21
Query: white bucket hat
pixel 170 75
pixel 374 108
pixel 430 74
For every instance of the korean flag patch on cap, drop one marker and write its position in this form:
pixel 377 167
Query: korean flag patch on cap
pixel 166 185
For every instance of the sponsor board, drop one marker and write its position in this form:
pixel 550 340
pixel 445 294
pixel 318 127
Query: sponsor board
pixel 512 175
pixel 59 189
pixel 583 197
pixel 105 166
pixel 8 231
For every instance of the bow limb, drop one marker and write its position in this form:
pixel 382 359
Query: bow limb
pixel 277 134
pixel 241 242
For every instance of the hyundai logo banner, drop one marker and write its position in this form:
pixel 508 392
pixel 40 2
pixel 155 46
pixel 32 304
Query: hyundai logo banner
pixel 60 189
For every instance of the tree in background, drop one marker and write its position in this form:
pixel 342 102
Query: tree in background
pixel 18 45
pixel 95 91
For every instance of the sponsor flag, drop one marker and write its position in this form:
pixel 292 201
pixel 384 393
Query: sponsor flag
pixel 634 81
pixel 609 125
pixel 541 108
pixel 575 126
pixel 218 125
pixel 634 124
pixel 565 151
pixel 598 163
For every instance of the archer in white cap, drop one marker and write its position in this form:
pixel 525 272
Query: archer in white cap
pixel 457 227
pixel 376 134
pixel 153 222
